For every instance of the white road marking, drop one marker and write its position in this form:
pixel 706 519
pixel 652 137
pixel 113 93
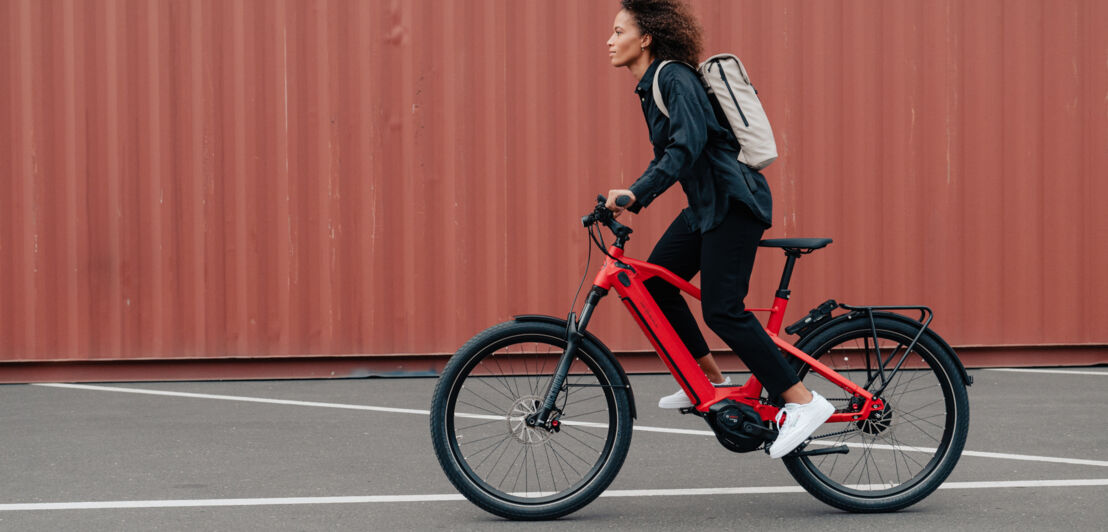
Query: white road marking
pixel 1034 458
pixel 237 398
pixel 643 428
pixel 797 489
pixel 191 503
pixel 1068 483
pixel 979 454
pixel 100 505
pixel 1057 371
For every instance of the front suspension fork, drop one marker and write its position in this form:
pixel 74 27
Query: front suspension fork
pixel 575 334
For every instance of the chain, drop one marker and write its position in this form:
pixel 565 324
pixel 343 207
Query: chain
pixel 830 434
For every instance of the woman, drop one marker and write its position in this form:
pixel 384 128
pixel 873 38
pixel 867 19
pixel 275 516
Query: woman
pixel 729 209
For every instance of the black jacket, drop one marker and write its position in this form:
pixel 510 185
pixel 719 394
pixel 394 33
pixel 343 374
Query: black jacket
pixel 692 147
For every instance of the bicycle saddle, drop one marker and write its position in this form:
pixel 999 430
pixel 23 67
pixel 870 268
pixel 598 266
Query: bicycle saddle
pixel 795 243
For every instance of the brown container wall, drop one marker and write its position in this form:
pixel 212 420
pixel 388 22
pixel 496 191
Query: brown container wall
pixel 269 178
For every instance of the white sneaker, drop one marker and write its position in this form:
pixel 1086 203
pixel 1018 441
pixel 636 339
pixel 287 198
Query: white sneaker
pixel 681 399
pixel 800 422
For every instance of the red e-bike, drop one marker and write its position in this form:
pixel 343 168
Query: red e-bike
pixel 532 418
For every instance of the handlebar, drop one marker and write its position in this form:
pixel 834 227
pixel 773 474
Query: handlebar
pixel 602 215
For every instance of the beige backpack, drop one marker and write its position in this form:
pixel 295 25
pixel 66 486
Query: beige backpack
pixel 727 82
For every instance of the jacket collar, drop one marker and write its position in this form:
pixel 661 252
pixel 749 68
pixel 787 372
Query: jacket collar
pixel 646 84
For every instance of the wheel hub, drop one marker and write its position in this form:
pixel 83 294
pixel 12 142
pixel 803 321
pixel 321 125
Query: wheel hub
pixel 523 432
pixel 878 421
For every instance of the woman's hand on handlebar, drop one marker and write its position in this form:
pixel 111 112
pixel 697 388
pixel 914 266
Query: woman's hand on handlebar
pixel 614 195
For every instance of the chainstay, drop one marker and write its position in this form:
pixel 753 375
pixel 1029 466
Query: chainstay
pixel 841 432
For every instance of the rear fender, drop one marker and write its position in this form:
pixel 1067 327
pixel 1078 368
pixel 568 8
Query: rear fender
pixel 856 315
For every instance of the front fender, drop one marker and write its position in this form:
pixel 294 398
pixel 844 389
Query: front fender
pixel 595 342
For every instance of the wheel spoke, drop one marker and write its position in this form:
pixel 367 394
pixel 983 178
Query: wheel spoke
pixel 921 407
pixel 590 413
pixel 497 409
pixel 583 431
pixel 502 376
pixel 470 442
pixel 510 467
pixel 550 467
pixel 923 432
pixel 480 408
pixel 578 440
pixel 564 462
pixel 899 446
pixel 503 452
pixel 494 447
pixel 495 389
pixel 583 399
pixel 924 419
pixel 459 429
pixel 570 451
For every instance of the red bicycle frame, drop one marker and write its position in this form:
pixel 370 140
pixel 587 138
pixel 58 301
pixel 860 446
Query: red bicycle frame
pixel 627 275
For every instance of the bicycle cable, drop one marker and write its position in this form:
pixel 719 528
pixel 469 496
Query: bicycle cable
pixel 600 243
pixel 598 239
pixel 588 262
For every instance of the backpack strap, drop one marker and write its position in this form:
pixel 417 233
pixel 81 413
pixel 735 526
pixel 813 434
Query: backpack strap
pixel 658 91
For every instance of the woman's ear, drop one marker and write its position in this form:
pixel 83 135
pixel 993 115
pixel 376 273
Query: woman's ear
pixel 644 41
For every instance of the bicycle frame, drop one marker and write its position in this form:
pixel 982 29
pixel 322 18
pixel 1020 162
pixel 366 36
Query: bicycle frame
pixel 627 275
pixel 486 464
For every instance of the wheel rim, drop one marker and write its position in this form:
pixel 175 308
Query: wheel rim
pixel 492 444
pixel 895 450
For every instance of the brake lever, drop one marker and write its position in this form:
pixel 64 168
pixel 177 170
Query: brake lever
pixel 600 213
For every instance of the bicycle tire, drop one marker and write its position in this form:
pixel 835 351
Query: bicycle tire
pixel 928 414
pixel 508 381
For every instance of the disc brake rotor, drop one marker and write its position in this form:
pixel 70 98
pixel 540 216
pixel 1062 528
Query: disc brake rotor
pixel 517 421
pixel 878 421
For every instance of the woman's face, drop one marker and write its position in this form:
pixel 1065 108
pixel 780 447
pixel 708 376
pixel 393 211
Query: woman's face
pixel 627 42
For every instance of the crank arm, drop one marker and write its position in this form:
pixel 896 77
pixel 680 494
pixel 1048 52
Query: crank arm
pixel 841 449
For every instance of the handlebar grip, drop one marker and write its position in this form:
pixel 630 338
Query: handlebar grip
pixel 623 200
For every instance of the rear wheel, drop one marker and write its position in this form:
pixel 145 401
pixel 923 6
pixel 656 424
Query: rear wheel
pixel 897 456
pixel 496 458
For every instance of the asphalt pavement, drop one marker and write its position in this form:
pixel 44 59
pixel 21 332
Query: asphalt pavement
pixel 356 455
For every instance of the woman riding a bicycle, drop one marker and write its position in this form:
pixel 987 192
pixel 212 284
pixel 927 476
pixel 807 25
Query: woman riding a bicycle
pixel 532 418
pixel 729 208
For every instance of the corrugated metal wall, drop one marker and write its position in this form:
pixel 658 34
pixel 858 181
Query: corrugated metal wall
pixel 271 178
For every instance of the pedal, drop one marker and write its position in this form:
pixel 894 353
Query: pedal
pixel 841 449
pixel 690 410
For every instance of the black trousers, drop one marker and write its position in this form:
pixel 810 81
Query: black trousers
pixel 724 257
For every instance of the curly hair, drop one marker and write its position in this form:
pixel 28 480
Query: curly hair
pixel 676 33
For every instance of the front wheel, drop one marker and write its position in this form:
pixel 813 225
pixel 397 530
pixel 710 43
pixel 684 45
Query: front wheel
pixel 903 453
pixel 494 457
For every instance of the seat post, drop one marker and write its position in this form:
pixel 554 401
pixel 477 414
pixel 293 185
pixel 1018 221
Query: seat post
pixel 786 276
